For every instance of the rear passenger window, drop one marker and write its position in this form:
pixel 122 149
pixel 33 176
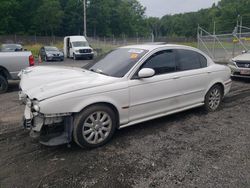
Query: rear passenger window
pixel 189 60
pixel 203 60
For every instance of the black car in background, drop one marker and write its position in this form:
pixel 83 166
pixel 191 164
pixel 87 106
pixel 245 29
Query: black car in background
pixel 11 48
pixel 51 53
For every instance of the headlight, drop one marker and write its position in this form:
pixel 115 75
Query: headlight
pixel 77 51
pixel 232 63
pixel 49 55
pixel 36 107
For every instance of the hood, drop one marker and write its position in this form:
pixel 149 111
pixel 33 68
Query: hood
pixel 44 82
pixel 242 57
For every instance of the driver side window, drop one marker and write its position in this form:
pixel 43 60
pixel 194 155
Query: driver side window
pixel 162 62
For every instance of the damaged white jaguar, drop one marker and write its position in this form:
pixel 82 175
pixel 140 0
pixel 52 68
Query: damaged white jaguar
pixel 129 85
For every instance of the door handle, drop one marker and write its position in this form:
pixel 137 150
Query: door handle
pixel 209 72
pixel 176 77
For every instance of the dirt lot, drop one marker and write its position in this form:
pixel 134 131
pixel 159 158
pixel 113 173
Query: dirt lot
pixel 189 149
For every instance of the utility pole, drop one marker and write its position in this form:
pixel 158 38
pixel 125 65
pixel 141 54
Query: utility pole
pixel 84 18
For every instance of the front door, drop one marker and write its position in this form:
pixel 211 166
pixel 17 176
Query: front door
pixel 158 94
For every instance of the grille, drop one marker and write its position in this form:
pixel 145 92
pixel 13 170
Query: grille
pixel 243 64
pixel 85 51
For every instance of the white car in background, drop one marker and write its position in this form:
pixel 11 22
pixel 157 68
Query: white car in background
pixel 130 85
pixel 240 66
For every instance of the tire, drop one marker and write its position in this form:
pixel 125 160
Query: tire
pixel 213 98
pixel 3 84
pixel 88 130
pixel 91 57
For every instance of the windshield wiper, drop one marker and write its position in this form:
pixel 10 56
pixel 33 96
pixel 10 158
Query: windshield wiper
pixel 99 71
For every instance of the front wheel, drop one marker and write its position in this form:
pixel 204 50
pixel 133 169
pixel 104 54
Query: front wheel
pixel 213 98
pixel 3 84
pixel 95 126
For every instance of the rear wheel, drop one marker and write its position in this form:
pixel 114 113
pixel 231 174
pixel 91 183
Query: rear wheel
pixel 95 126
pixel 3 84
pixel 213 98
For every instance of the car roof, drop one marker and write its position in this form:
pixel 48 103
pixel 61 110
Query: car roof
pixel 11 44
pixel 153 46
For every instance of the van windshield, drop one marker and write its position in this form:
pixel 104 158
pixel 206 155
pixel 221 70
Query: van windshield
pixel 80 43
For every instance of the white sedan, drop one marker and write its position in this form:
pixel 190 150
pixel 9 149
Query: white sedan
pixel 129 85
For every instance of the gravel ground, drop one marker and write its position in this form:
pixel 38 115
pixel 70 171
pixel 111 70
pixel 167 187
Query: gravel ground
pixel 188 149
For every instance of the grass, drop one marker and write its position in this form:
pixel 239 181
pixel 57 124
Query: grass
pixel 34 48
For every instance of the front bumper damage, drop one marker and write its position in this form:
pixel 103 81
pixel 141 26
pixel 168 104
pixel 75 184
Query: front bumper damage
pixel 49 129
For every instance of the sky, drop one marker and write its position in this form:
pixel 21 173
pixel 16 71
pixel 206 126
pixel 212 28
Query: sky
pixel 159 8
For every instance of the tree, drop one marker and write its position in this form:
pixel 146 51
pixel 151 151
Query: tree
pixel 48 17
pixel 72 23
pixel 8 13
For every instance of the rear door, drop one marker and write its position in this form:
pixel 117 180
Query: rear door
pixel 194 77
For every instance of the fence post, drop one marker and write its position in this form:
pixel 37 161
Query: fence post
pixel 214 41
pixel 153 37
pixel 35 39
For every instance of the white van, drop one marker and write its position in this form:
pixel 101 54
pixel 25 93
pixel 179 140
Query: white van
pixel 77 47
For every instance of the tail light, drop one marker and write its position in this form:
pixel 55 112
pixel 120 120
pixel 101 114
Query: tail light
pixel 31 60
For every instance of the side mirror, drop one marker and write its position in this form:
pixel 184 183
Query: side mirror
pixel 146 73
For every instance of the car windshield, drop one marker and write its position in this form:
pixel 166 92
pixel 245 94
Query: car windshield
pixel 80 43
pixel 50 48
pixel 118 62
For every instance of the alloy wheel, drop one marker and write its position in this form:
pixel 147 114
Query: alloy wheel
pixel 214 99
pixel 97 127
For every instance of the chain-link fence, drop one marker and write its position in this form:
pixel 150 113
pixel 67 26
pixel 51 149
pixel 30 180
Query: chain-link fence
pixel 223 47
pixel 118 41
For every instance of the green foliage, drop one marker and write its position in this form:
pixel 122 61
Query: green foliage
pixel 48 17
pixel 65 17
pixel 225 15
pixel 113 18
